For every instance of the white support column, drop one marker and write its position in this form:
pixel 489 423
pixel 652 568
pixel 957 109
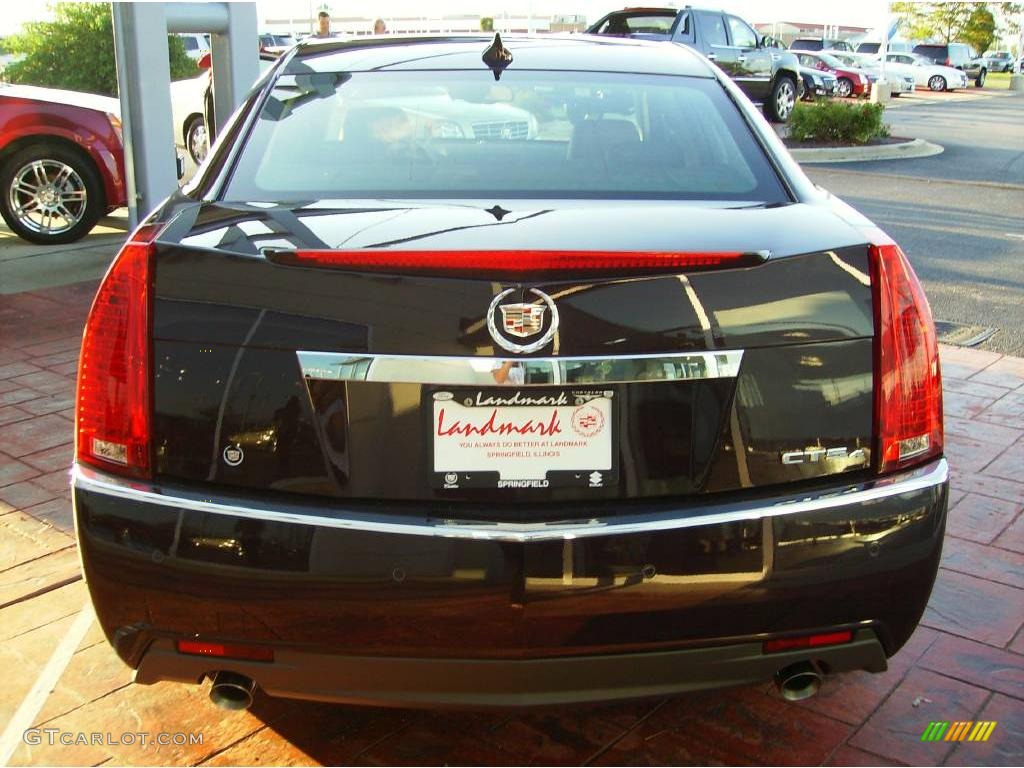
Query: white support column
pixel 887 31
pixel 144 76
pixel 235 60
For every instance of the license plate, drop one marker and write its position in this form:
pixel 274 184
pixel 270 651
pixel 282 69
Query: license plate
pixel 485 438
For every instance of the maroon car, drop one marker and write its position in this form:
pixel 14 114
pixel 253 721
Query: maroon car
pixel 61 161
pixel 850 81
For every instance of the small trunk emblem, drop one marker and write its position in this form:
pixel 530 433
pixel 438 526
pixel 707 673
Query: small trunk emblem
pixel 233 456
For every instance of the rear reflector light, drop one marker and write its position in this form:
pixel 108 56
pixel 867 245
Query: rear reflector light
pixel 516 262
pixel 908 383
pixel 226 650
pixel 807 641
pixel 113 400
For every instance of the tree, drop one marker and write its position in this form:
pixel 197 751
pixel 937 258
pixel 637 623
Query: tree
pixel 75 51
pixel 980 31
pixel 972 23
pixel 486 23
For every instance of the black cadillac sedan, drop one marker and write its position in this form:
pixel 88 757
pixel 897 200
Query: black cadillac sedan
pixel 478 373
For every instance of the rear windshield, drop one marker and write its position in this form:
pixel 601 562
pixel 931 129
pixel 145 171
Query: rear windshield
pixel 932 51
pixel 806 45
pixel 868 47
pixel 460 134
pixel 629 24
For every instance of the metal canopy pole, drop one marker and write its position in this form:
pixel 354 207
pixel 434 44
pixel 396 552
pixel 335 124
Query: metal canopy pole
pixel 234 43
pixel 144 79
pixel 140 50
pixel 238 66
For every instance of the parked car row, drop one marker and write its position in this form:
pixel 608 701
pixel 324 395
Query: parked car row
pixel 903 71
pixel 775 77
pixel 769 76
pixel 948 56
pixel 850 81
pixel 872 67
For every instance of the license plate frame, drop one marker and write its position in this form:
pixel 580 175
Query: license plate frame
pixel 588 422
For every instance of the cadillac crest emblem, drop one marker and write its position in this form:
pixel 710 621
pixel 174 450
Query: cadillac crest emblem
pixel 522 320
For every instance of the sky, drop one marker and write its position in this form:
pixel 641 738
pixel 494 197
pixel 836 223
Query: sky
pixel 864 13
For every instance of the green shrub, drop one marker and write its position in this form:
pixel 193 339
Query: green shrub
pixel 841 122
pixel 75 51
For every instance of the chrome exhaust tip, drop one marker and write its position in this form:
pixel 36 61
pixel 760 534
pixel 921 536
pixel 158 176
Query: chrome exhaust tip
pixel 232 691
pixel 798 681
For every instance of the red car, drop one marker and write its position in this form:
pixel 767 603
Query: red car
pixel 61 161
pixel 850 81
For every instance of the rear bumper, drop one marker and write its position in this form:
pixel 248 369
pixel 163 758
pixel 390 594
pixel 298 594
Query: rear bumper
pixel 385 609
pixel 502 683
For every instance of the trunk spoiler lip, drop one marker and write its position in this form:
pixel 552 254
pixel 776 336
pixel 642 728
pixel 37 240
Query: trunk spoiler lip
pixel 930 477
pixel 515 264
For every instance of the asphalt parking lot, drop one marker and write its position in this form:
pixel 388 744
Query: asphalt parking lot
pixel 959 216
pixel 964 663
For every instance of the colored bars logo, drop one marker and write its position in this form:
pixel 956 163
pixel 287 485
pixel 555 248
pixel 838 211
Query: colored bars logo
pixel 959 731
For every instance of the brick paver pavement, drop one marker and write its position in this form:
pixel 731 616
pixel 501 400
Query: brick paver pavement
pixel 965 662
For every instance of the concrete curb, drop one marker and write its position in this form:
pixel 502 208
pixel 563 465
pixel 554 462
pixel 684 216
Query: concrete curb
pixel 903 151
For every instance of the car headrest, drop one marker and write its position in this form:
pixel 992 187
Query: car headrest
pixel 600 138
pixel 364 126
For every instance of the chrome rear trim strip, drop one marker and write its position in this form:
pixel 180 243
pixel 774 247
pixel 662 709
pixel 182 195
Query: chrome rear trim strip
pixel 697 513
pixel 545 371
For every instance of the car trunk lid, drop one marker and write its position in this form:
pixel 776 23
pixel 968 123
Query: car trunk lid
pixel 332 381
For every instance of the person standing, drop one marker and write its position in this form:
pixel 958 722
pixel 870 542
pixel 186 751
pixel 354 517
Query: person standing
pixel 323 24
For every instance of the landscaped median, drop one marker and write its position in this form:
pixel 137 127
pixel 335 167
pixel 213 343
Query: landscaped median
pixel 839 131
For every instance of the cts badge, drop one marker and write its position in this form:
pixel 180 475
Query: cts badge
pixel 522 320
pixel 811 455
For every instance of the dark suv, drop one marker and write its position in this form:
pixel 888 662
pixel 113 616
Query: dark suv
pixel 767 75
pixel 819 44
pixel 958 55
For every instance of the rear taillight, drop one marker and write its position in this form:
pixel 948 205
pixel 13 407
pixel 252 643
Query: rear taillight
pixel 112 416
pixel 908 384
